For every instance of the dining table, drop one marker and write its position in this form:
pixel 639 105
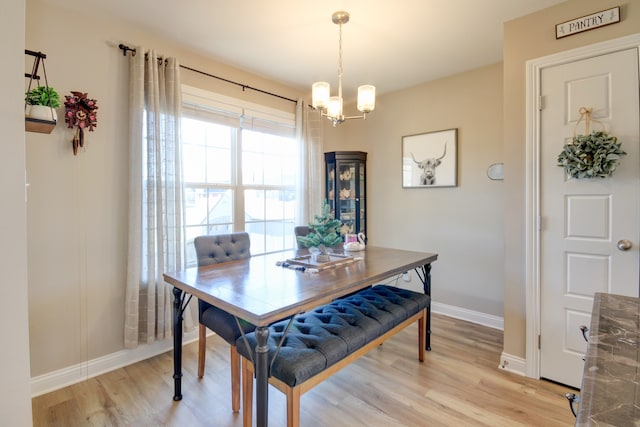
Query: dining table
pixel 264 289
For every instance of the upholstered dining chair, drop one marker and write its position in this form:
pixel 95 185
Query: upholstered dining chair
pixel 300 231
pixel 214 249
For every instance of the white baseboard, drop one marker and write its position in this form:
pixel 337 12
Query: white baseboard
pixel 513 364
pixel 83 371
pixel 488 320
pixel 516 365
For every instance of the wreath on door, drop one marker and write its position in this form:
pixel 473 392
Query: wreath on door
pixel 80 113
pixel 594 155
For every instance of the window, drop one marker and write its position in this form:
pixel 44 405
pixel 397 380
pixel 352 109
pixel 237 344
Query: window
pixel 240 169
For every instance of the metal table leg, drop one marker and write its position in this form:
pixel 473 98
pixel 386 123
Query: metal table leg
pixel 179 306
pixel 262 367
pixel 424 273
pixel 262 376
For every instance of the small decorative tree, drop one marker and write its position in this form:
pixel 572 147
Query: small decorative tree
pixel 324 231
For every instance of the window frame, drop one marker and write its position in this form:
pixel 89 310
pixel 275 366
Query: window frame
pixel 240 115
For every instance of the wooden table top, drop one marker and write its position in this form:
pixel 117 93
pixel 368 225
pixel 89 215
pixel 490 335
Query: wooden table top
pixel 261 292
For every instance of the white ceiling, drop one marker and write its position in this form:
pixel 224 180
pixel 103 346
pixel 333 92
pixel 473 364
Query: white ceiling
pixel 390 44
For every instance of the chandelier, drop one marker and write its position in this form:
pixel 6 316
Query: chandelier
pixel 331 106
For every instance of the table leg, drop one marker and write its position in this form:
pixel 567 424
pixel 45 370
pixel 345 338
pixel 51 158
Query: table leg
pixel 262 376
pixel 424 273
pixel 177 343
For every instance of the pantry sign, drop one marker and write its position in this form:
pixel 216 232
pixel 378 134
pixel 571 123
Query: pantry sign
pixel 589 22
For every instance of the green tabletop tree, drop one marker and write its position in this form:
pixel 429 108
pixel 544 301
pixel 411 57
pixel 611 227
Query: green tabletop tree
pixel 323 231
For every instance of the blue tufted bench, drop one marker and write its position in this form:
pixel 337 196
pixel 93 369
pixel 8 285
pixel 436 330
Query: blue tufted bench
pixel 323 341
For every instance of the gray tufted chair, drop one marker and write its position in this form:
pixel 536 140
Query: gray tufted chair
pixel 301 231
pixel 215 249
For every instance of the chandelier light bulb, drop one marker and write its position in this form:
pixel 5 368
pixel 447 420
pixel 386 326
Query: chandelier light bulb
pixel 320 92
pixel 366 98
pixel 335 107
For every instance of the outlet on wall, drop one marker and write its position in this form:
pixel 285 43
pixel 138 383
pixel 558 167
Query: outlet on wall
pixel 406 276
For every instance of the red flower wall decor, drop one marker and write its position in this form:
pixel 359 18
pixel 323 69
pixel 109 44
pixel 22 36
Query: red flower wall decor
pixel 80 113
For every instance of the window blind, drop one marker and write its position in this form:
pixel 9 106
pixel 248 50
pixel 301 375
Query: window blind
pixel 229 111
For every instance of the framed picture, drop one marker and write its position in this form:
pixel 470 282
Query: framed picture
pixel 430 159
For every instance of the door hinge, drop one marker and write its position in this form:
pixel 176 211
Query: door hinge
pixel 540 103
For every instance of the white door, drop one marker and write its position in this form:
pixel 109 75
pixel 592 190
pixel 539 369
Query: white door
pixel 582 220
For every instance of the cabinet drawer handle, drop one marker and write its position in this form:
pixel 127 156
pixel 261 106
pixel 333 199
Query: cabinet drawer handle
pixel 572 398
pixel 584 331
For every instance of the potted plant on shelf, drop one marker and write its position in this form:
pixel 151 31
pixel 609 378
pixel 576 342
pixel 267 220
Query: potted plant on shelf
pixel 41 101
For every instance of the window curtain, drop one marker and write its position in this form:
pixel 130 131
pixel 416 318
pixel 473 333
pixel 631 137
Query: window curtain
pixel 156 237
pixel 311 182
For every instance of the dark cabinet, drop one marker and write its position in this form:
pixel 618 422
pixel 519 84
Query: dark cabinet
pixel 346 189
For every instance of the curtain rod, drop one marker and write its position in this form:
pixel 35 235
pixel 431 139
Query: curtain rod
pixel 126 49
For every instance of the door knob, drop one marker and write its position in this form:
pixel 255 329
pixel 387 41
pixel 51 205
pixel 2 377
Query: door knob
pixel 624 245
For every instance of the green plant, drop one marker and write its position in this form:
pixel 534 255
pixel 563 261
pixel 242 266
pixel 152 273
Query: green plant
pixel 324 231
pixel 43 95
pixel 591 156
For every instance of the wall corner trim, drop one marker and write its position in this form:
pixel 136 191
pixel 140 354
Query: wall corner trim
pixel 513 364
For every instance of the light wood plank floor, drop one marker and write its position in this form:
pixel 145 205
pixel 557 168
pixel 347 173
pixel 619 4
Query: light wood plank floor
pixel 458 385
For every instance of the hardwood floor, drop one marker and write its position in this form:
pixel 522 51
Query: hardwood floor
pixel 459 384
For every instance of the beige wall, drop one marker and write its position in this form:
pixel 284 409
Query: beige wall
pixel 77 210
pixel 527 38
pixel 462 224
pixel 15 391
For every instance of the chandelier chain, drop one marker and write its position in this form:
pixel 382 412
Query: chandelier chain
pixel 340 61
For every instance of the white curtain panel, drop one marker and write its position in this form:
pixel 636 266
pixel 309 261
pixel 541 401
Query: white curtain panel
pixel 156 237
pixel 310 184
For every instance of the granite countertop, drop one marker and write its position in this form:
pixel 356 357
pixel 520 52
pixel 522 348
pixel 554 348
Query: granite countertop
pixel 610 393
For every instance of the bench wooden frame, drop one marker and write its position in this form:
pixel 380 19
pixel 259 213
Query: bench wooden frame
pixel 293 393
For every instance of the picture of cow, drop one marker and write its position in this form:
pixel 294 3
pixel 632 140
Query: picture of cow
pixel 428 166
pixel 429 160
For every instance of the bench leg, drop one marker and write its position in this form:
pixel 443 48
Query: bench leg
pixel 293 407
pixel 421 337
pixel 247 394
